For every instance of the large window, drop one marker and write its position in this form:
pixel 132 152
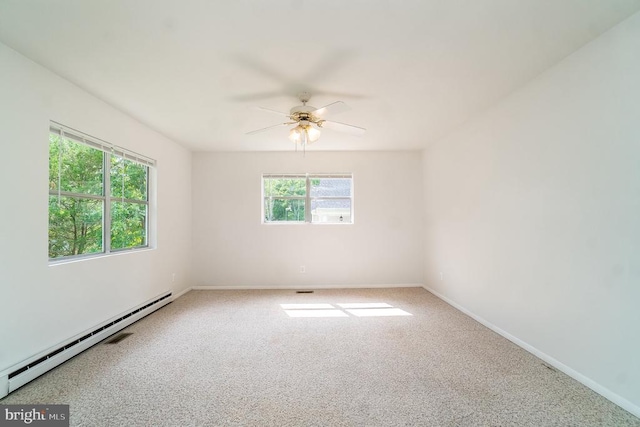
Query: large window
pixel 98 196
pixel 308 198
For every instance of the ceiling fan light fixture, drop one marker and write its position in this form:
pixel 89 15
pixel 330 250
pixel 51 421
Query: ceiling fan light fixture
pixel 313 133
pixel 304 134
pixel 295 134
pixel 308 121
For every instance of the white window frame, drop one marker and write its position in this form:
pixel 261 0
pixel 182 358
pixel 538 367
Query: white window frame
pixel 307 197
pixel 107 199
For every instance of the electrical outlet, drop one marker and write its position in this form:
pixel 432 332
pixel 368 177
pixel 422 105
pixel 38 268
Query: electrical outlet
pixel 173 277
pixel 441 276
pixel 303 269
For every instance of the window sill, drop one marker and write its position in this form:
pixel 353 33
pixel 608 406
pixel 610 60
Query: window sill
pixel 82 258
pixel 307 223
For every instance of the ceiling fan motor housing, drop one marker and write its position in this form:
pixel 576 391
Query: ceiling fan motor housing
pixel 309 120
pixel 303 112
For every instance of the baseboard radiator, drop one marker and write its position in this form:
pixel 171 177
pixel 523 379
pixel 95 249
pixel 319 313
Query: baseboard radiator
pixel 18 375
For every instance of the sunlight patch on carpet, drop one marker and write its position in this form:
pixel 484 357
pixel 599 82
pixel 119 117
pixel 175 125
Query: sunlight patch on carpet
pixel 378 312
pixel 357 309
pixel 316 313
pixel 365 305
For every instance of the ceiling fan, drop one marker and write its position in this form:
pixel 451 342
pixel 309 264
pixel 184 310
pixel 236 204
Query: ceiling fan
pixel 309 120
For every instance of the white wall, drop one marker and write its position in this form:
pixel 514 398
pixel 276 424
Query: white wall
pixel 41 304
pixel 231 247
pixel 532 214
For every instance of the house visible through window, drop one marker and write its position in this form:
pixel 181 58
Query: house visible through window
pixel 98 196
pixel 308 198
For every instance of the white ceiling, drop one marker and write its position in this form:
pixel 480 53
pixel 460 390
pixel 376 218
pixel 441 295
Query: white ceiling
pixel 195 70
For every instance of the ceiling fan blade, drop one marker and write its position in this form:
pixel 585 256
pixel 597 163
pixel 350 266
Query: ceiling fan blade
pixel 334 108
pixel 267 128
pixel 332 94
pixel 255 96
pixel 343 127
pixel 273 111
pixel 328 65
pixel 260 67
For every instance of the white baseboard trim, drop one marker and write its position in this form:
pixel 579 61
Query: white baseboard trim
pixel 601 390
pixel 305 287
pixel 184 291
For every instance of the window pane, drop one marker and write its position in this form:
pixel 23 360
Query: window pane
pixel 285 187
pixel 75 226
pixel 330 187
pixel 331 210
pixel 77 167
pixel 130 177
pixel 128 225
pixel 283 209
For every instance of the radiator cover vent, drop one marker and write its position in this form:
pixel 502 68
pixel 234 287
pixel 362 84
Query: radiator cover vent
pixel 21 374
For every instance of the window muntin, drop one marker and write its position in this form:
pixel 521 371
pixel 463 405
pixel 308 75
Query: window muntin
pixel 98 196
pixel 308 198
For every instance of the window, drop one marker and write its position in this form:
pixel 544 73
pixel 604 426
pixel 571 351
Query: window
pixel 98 196
pixel 317 199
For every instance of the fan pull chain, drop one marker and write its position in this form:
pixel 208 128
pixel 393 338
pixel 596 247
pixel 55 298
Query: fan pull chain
pixel 304 143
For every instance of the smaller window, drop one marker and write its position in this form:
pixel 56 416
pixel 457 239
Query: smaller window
pixel 317 199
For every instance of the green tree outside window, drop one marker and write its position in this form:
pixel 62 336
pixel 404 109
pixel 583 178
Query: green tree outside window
pixel 79 206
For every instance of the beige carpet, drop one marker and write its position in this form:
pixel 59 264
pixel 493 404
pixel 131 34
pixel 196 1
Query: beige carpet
pixel 236 358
